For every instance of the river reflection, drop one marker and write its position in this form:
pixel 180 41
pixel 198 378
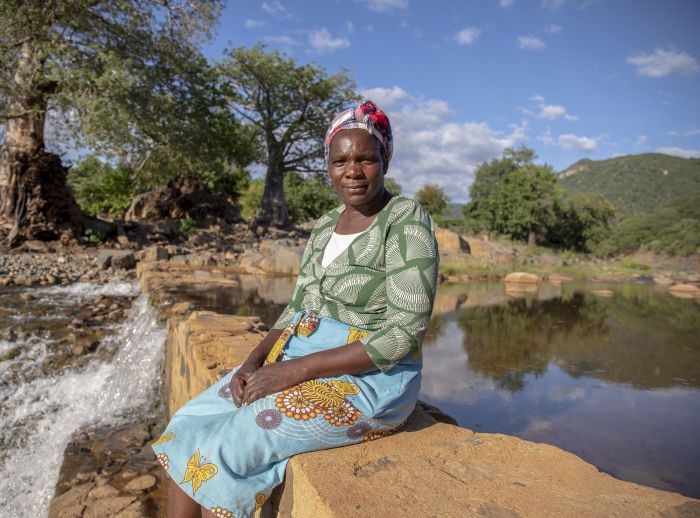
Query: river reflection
pixel 614 380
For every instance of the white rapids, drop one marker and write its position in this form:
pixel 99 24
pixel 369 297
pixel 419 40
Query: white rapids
pixel 37 418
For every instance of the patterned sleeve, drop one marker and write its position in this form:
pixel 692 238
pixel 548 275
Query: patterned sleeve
pixel 412 263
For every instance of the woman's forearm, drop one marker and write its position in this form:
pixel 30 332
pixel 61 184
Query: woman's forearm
pixel 348 359
pixel 258 355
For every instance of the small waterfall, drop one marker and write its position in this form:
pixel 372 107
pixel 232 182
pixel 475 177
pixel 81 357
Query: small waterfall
pixel 37 418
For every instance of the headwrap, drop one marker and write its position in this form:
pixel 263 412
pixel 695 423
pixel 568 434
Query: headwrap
pixel 366 116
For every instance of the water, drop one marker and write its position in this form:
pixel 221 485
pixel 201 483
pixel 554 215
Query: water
pixel 40 412
pixel 613 380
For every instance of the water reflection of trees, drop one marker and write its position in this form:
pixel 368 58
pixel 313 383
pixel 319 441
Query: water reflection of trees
pixel 636 337
pixel 509 341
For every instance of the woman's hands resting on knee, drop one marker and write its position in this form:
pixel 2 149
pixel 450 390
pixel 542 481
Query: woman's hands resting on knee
pixel 263 381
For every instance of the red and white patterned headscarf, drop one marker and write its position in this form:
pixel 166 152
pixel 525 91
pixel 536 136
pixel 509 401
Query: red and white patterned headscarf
pixel 366 116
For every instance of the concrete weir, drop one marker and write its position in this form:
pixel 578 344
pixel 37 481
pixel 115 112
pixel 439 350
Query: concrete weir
pixel 430 469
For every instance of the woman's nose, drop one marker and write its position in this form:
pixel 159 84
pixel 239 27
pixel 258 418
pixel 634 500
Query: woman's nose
pixel 353 169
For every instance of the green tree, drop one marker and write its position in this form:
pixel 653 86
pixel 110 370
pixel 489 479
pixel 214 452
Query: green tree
pixel 511 195
pixel 120 75
pixel 433 199
pixel 582 222
pixel 289 106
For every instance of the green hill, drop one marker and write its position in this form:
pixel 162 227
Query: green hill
pixel 637 185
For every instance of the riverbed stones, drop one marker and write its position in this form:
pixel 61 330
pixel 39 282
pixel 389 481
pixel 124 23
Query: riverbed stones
pixel 141 483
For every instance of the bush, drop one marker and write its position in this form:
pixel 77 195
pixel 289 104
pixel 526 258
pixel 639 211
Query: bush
pixel 100 187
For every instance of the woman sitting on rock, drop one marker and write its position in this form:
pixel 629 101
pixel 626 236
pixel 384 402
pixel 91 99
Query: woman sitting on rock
pixel 342 364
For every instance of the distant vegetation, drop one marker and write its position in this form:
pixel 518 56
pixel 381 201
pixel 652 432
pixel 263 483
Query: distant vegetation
pixel 637 185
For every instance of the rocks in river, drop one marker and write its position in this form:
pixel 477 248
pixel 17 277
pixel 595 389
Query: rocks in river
pixel 686 291
pixel 521 278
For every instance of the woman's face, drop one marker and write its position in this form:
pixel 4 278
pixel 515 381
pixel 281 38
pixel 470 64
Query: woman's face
pixel 356 167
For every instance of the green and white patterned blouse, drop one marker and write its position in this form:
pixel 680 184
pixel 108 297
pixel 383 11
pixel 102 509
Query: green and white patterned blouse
pixel 384 281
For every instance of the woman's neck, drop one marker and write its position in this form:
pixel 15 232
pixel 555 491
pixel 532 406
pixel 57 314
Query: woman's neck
pixel 356 219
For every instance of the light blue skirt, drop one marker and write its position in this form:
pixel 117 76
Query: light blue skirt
pixel 229 459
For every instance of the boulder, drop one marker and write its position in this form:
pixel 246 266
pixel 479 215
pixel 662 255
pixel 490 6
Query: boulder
pixel 450 242
pixel 684 291
pixel 153 253
pixel 185 196
pixel 521 277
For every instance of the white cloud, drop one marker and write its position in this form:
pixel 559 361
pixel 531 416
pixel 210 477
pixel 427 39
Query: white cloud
pixel 679 151
pixel 570 142
pixel 281 40
pixel 552 28
pixel 548 111
pixel 554 111
pixel 431 147
pixel 254 24
pixel 385 6
pixel 641 141
pixel 505 4
pixel 530 43
pixel 322 42
pixel 274 7
pixel 385 97
pixel 467 36
pixel 662 63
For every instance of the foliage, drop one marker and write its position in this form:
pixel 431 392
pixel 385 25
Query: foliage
pixel 125 79
pixel 249 201
pixel 186 226
pixel 433 199
pixel 511 195
pixel 673 230
pixel 392 185
pixel 288 106
pixel 581 222
pixel 100 187
pixel 306 198
pixel 91 238
pixel 637 185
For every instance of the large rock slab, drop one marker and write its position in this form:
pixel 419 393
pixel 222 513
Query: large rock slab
pixel 428 469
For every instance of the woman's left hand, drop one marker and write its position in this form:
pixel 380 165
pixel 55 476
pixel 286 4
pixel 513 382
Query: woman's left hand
pixel 270 379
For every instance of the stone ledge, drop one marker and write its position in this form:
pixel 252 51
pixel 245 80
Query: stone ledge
pixel 429 469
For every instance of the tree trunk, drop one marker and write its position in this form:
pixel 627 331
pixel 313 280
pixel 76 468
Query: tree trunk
pixel 531 238
pixel 35 202
pixel 273 208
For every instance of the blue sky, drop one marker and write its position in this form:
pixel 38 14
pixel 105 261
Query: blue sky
pixel 462 80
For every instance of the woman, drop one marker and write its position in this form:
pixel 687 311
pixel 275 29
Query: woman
pixel 342 363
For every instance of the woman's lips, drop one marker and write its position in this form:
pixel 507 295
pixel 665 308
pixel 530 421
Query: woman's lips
pixel 356 188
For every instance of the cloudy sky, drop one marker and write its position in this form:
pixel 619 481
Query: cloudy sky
pixel 462 80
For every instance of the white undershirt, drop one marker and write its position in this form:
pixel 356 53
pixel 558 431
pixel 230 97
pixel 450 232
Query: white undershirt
pixel 336 246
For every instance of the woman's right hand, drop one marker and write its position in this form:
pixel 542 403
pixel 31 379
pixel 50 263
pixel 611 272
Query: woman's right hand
pixel 239 380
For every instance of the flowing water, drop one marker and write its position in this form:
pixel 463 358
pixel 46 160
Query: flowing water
pixel 44 397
